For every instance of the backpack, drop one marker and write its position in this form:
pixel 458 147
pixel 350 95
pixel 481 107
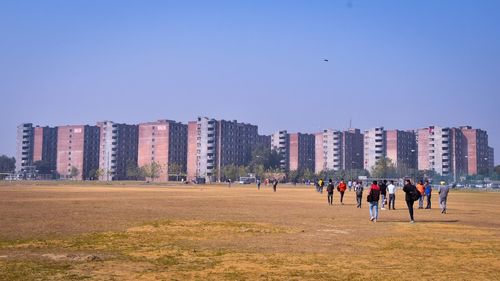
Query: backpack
pixel 415 195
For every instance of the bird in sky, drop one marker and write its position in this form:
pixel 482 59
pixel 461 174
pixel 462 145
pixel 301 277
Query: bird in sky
pixel 325 60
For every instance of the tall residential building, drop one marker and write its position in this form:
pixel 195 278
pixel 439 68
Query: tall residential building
pixel 328 151
pixel 219 143
pixel 491 158
pixel 280 142
pixel 78 147
pixel 45 145
pixel 352 149
pixel 434 149
pixel 302 152
pixel 374 147
pixel 24 146
pixel 477 150
pixel 163 142
pixel 401 148
pixel 118 148
pixel 458 153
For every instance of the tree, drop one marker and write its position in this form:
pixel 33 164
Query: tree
pixel 268 158
pixel 175 169
pixel 96 174
pixel 43 167
pixel 74 172
pixel 132 171
pixel 384 168
pixel 497 169
pixel 7 165
pixel 151 171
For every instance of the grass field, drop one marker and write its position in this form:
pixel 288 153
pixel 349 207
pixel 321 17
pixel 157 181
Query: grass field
pixel 132 231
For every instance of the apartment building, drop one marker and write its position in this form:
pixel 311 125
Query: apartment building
pixel 280 142
pixel 434 149
pixel 478 151
pixel 301 151
pixel 163 142
pixel 374 147
pixel 77 147
pixel 24 146
pixel 401 148
pixel 118 148
pixel 328 151
pixel 352 149
pixel 218 143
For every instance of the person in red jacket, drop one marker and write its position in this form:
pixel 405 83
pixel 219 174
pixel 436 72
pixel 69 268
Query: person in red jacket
pixel 373 198
pixel 341 188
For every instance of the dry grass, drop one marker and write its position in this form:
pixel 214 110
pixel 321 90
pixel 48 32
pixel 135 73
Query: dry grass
pixel 216 233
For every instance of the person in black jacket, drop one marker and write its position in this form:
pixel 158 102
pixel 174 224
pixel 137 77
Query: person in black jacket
pixel 329 189
pixel 383 192
pixel 410 189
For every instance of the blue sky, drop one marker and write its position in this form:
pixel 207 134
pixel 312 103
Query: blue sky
pixel 397 64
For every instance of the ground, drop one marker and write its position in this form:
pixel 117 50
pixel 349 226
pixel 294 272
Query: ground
pixel 133 231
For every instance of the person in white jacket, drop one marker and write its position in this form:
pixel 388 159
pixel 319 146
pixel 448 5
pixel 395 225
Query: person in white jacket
pixel 391 188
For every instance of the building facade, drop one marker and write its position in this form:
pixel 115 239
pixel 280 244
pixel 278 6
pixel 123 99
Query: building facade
pixel 163 142
pixel 302 152
pixel 77 151
pixel 328 151
pixel 374 147
pixel 401 148
pixel 24 146
pixel 352 149
pixel 218 143
pixel 118 149
pixel 45 145
pixel 477 150
pixel 280 142
pixel 434 150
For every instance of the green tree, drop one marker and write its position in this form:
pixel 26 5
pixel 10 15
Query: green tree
pixel 74 172
pixel 132 171
pixel 497 169
pixel 43 167
pixel 384 168
pixel 266 157
pixel 7 164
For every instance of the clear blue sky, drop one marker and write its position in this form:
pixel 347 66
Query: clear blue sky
pixel 398 64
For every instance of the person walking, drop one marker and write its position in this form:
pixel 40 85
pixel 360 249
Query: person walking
pixel 428 193
pixel 258 184
pixel 443 197
pixel 391 188
pixel 421 189
pixel 412 194
pixel 321 184
pixel 373 198
pixel 358 188
pixel 329 189
pixel 349 184
pixel 275 184
pixel 342 188
pixel 383 193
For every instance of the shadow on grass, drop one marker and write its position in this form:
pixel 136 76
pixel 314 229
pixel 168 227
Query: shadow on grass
pixel 418 221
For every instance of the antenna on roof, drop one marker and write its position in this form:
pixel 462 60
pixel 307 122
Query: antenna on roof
pixel 350 123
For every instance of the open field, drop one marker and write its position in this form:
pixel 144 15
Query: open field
pixel 138 232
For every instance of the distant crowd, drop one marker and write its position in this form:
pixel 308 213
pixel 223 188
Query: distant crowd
pixel 380 191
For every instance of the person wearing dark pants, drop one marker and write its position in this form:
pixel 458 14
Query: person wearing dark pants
pixel 275 184
pixel 410 190
pixel 341 188
pixel 329 189
pixel 358 188
pixel 391 188
pixel 428 193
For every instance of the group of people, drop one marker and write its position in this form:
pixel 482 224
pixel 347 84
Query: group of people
pixel 384 192
pixel 412 193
